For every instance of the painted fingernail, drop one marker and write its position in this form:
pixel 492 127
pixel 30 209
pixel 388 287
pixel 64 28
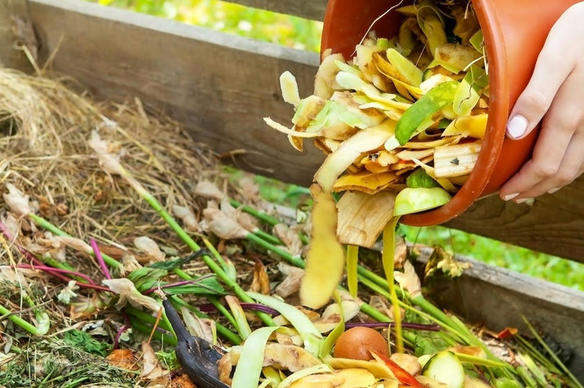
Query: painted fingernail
pixel 510 197
pixel 517 126
pixel 526 201
pixel 553 191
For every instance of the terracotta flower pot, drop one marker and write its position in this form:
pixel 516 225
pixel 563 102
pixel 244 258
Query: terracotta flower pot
pixel 514 31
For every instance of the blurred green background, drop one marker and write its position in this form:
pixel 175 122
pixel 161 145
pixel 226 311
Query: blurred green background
pixel 305 34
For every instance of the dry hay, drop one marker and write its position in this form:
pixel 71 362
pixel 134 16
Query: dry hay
pixel 45 128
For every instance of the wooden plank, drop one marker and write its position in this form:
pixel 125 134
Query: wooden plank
pixel 11 12
pixel 498 298
pixel 309 9
pixel 554 224
pixel 220 86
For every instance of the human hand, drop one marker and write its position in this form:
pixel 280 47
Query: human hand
pixel 556 95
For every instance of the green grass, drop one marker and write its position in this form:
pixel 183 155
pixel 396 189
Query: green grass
pixel 233 19
pixel 305 34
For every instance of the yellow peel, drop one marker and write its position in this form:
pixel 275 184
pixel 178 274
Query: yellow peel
pixel 289 88
pixel 326 259
pixel 282 128
pixel 364 141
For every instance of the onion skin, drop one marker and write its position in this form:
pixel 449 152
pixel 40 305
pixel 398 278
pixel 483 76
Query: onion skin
pixel 358 343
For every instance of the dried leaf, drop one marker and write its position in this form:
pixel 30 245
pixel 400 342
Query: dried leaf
pixel 409 280
pixel 128 293
pixel 149 247
pixel 223 225
pixel 445 261
pixel 151 369
pixel 208 190
pixel 187 217
pixel 124 359
pixel 12 225
pixel 249 189
pixel 17 276
pixel 202 328
pixel 261 280
pixel 291 283
pixel 182 381
pixel 85 307
pixel 17 202
pixel 331 316
pixel 110 163
pixel 68 292
pixel 290 237
pixel 74 243
pixel 130 263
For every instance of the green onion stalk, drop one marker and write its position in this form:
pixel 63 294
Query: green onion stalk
pixel 379 285
pixel 32 329
pixel 184 236
pixel 222 330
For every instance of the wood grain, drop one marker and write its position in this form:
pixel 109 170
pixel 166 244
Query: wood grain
pixel 554 224
pixel 10 55
pixel 498 298
pixel 220 86
pixel 309 9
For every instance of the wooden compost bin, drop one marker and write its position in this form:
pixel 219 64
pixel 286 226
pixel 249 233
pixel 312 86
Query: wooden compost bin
pixel 220 86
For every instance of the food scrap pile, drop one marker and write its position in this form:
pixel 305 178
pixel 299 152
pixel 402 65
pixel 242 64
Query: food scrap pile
pixel 401 123
pixel 407 111
pixel 131 259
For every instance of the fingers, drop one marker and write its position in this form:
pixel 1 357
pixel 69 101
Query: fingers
pixel 569 170
pixel 546 169
pixel 550 72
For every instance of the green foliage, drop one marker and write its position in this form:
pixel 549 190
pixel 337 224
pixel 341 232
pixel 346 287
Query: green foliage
pixel 81 340
pixel 56 363
pixel 233 19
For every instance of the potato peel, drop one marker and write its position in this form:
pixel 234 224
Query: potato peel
pixel 326 258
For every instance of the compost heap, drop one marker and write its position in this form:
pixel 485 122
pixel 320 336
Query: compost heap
pixel 102 219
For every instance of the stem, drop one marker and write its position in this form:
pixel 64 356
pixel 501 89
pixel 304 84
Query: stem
pixel 552 354
pixel 18 321
pixel 91 284
pixel 294 260
pixel 352 270
pixel 388 258
pixel 214 301
pixel 142 328
pixel 268 219
pixel 268 237
pixel 99 258
pixel 58 232
pixel 216 268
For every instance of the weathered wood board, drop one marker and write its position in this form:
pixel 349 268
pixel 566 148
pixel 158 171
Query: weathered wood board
pixel 11 12
pixel 312 9
pixel 499 298
pixel 220 86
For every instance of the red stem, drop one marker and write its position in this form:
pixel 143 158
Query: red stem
pixel 99 258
